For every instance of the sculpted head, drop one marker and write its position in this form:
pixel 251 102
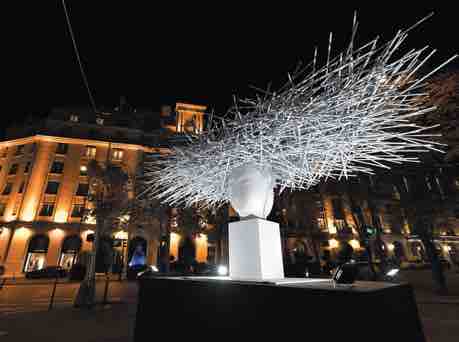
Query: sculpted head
pixel 251 190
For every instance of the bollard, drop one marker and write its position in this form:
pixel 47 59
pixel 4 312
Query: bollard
pixel 51 300
pixel 106 289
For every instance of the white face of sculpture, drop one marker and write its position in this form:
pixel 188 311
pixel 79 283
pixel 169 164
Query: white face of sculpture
pixel 251 190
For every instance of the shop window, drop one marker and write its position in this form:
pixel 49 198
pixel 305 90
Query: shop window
pixel 117 154
pixel 52 188
pixel 70 249
pixel 13 169
pixel 7 189
pixel 137 251
pixel 57 167
pixel 74 118
pixel 83 170
pixel 83 189
pixel 90 152
pixel 36 253
pixel 62 148
pixel 46 209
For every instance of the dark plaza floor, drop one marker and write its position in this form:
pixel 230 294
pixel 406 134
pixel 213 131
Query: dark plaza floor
pixel 115 322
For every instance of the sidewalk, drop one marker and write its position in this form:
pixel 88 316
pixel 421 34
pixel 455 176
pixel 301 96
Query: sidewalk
pixel 25 281
pixel 112 323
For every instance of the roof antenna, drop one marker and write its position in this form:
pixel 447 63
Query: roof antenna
pixel 83 75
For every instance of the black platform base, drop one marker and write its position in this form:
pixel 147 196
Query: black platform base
pixel 210 309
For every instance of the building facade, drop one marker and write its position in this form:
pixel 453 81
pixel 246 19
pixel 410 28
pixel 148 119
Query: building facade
pixel 330 216
pixel 44 181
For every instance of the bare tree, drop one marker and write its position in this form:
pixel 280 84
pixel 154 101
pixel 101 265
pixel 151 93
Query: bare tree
pixel 107 197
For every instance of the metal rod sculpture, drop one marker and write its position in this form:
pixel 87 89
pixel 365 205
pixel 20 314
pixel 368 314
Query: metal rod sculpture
pixel 348 117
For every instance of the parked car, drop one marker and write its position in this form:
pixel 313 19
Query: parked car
pixel 47 272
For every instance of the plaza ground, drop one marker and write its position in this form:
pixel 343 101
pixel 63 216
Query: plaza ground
pixel 24 315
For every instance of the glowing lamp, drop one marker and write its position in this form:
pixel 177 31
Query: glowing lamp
pixel 222 270
pixel 333 243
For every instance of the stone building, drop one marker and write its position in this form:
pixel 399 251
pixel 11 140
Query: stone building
pixel 327 217
pixel 44 180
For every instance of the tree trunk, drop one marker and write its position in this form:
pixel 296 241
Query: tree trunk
pixel 359 220
pixel 87 291
pixel 438 275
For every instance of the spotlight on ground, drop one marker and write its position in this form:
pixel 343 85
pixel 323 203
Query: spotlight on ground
pixel 222 270
pixel 392 272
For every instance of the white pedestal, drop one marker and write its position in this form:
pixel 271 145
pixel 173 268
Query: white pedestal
pixel 255 251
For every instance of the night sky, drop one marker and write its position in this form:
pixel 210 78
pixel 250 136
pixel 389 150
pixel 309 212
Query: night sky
pixel 156 55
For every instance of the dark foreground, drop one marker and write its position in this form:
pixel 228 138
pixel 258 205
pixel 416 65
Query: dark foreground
pixel 115 322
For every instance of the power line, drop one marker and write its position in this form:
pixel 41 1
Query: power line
pixel 83 74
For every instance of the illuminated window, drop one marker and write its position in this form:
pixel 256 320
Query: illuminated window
pixel 27 167
pixel 83 170
pixel 90 152
pixel 74 118
pixel 46 209
pixel 321 216
pixel 7 189
pixel 57 167
pixel 2 208
pixel 21 188
pixel 340 224
pixel 117 154
pixel 52 188
pixel 100 121
pixel 62 148
pixel 13 169
pixel 83 189
pixel 77 210
pixel 19 150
